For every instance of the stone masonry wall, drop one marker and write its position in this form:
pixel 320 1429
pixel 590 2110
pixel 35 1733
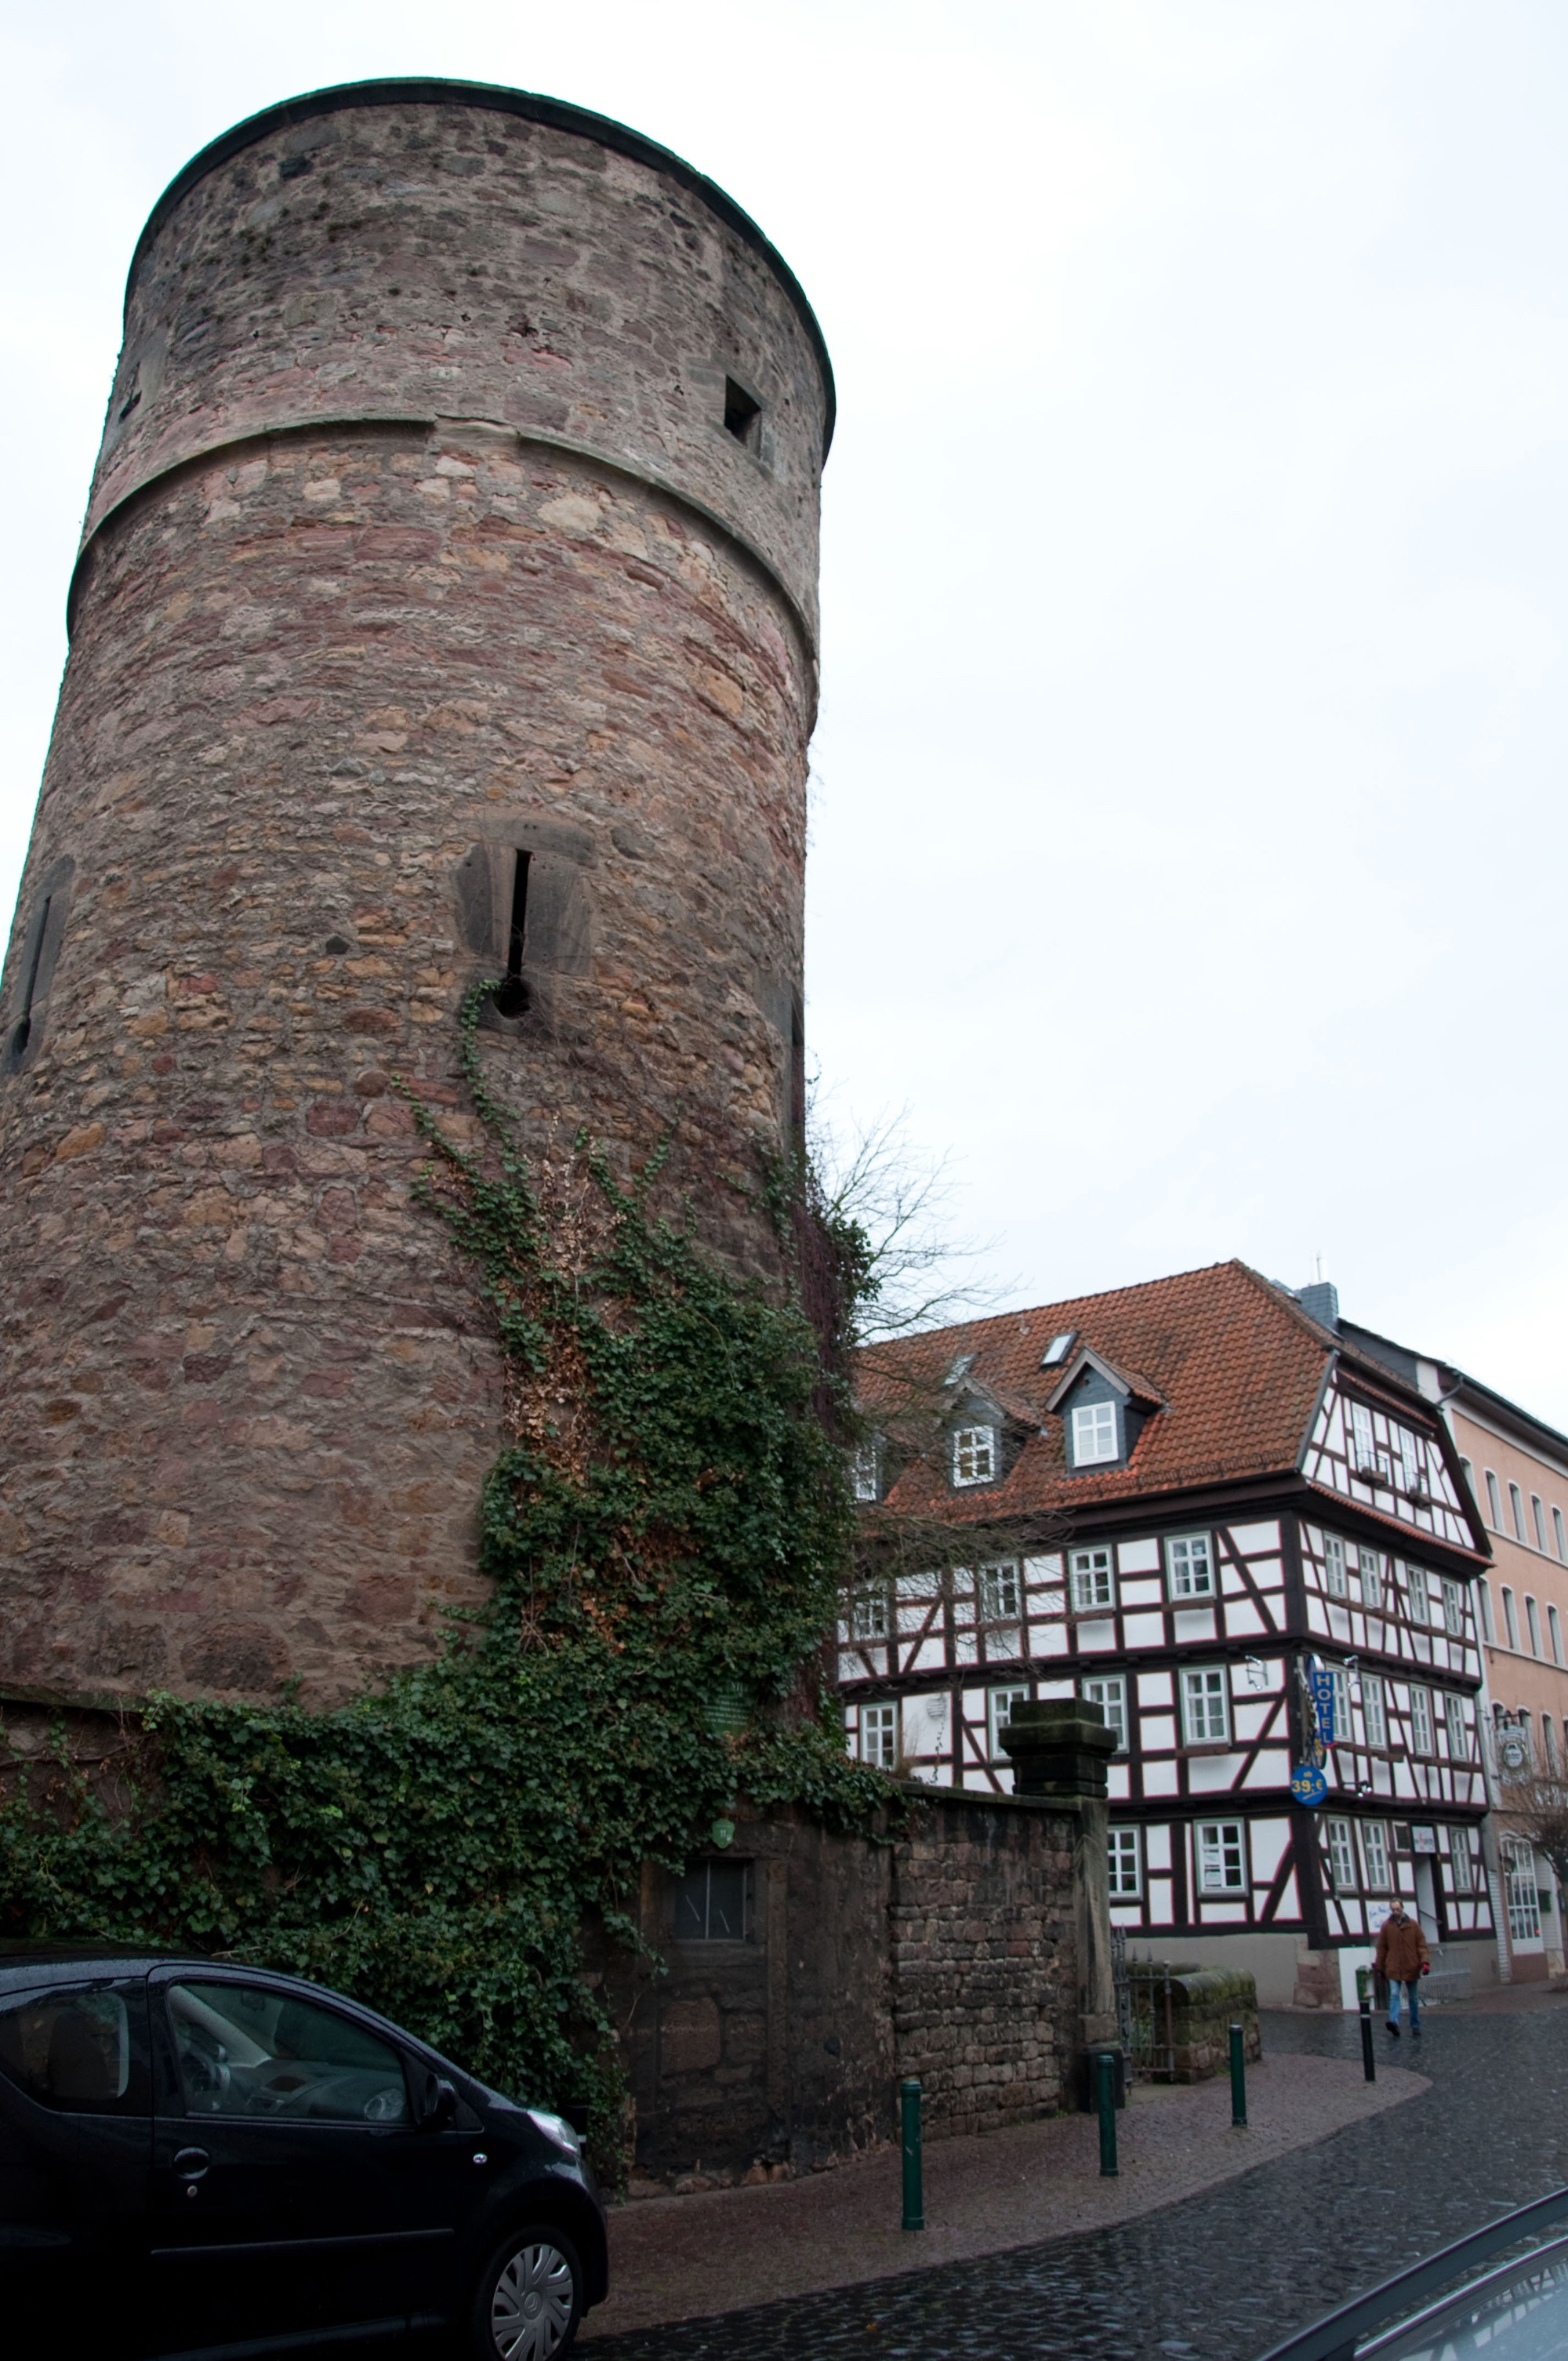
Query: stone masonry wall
pixel 949 1953
pixel 985 1973
pixel 329 678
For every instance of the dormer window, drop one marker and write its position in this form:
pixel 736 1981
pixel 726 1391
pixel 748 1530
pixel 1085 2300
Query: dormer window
pixel 1094 1437
pixel 974 1455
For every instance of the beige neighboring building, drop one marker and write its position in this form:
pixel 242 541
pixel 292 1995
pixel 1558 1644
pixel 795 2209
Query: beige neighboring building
pixel 1517 1470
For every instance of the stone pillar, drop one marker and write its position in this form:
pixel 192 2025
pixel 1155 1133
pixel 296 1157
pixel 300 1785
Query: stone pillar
pixel 1059 1749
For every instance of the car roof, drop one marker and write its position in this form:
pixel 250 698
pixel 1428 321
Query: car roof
pixel 23 1962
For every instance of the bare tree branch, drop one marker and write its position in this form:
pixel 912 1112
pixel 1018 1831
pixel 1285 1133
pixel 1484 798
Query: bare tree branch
pixel 872 1177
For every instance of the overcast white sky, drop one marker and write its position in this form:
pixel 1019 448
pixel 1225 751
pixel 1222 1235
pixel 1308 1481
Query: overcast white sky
pixel 1189 844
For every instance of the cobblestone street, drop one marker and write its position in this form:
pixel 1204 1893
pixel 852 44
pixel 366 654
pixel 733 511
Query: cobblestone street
pixel 1223 2276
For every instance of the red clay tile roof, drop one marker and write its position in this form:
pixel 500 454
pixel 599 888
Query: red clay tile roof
pixel 1237 1362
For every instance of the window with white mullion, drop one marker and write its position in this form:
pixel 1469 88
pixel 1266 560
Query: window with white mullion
pixel 1190 1566
pixel 1206 1705
pixel 1094 1584
pixel 1221 1846
pixel 1334 1582
pixel 1342 1856
pixel 1373 1713
pixel 1125 1865
pixel 1109 1692
pixel 1000 1705
pixel 1094 1433
pixel 1420 1721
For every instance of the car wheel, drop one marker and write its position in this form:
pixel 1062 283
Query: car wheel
pixel 529 2298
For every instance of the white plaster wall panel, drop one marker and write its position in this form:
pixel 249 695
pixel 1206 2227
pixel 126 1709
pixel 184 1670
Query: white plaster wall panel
pixel 1211 1774
pixel 1158 1733
pixel 1157 1845
pixel 1143 1630
pixel 1251 1540
pixel 1094 1638
pixel 1138 1557
pixel 1271 1768
pixel 1194 1623
pixel 1243 1621
pixel 1143 1593
pixel 1159 1779
pixel 1155 1688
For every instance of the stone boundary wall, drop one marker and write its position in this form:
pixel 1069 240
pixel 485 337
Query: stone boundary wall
pixel 984 1970
pixel 948 1950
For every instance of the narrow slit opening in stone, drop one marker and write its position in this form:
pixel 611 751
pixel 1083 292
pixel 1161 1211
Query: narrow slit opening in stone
pixel 511 997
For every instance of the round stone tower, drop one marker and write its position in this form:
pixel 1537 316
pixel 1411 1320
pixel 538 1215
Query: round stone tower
pixel 446 610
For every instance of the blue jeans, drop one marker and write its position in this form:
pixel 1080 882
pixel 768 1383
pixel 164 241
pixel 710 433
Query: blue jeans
pixel 1413 1989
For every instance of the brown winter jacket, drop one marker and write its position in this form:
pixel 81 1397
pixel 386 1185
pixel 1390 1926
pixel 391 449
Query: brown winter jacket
pixel 1401 1950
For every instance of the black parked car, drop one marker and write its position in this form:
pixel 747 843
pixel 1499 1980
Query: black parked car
pixel 197 2157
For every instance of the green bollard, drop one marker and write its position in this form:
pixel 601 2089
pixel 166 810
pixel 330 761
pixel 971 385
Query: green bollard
pixel 1238 2079
pixel 914 2196
pixel 1105 2069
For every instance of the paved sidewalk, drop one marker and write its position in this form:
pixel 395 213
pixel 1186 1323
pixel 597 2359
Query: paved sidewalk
pixel 675 2259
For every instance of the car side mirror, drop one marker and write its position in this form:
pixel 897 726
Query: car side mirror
pixel 437 2103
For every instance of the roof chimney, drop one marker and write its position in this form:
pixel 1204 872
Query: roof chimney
pixel 1320 1301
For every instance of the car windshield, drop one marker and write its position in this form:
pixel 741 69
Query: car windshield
pixel 1518 2312
pixel 246 2049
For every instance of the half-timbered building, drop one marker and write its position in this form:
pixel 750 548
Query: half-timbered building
pixel 1260 1560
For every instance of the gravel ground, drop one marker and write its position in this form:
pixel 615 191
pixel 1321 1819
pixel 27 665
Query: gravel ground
pixel 1221 2275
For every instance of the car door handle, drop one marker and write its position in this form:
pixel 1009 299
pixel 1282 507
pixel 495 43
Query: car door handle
pixel 191 2163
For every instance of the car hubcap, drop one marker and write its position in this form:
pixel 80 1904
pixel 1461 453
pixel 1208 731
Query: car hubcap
pixel 531 2308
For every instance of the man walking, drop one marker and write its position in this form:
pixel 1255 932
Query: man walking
pixel 1403 1957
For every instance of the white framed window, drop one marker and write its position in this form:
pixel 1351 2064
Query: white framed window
pixel 1094 1433
pixel 999 1713
pixel 1206 1705
pixel 869 1617
pixel 1558 1535
pixel 1190 1566
pixel 1538 1519
pixel 1342 1856
pixel 1109 1692
pixel 1555 1626
pixel 1094 1585
pixel 1421 1722
pixel 1493 1502
pixel 1373 1712
pixel 1524 1899
pixel 998 1594
pixel 1221 1857
pixel 1454 1722
pixel 1371 1566
pixel 878 1736
pixel 1416 1592
pixel 1374 1853
pixel 864 1471
pixel 1363 1451
pixel 1461 1875
pixel 1412 1461
pixel 1510 1617
pixel 1127 1865
pixel 1454 1609
pixel 1532 1623
pixel 1334 1567
pixel 974 1455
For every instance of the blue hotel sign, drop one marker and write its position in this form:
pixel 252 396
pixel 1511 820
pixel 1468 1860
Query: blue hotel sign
pixel 1322 1688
